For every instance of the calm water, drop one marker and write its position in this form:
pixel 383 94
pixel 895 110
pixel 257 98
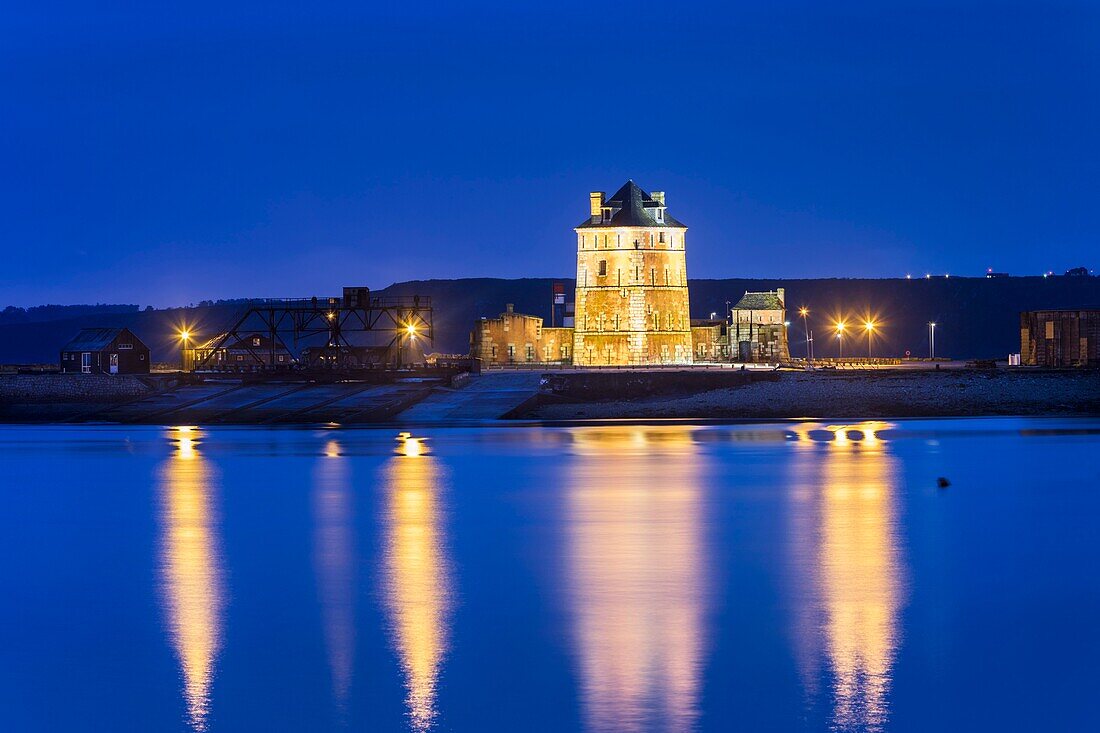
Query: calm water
pixel 619 578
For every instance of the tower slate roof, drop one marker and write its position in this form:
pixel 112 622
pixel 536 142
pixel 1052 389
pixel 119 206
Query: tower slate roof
pixel 768 301
pixel 632 207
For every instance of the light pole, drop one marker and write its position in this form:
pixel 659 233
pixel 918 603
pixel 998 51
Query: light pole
pixel 870 326
pixel 932 340
pixel 804 311
pixel 840 340
pixel 185 336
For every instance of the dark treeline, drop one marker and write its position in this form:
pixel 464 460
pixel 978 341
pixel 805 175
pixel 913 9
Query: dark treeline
pixel 38 313
pixel 977 317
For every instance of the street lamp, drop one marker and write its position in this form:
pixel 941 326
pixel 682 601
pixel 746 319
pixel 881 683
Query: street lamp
pixel 185 336
pixel 870 326
pixel 932 340
pixel 804 311
pixel 411 329
pixel 840 339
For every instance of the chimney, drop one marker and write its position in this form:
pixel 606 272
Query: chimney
pixel 510 308
pixel 595 205
pixel 659 197
pixel 782 296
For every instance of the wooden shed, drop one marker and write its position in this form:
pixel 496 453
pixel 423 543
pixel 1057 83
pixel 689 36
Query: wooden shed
pixel 105 351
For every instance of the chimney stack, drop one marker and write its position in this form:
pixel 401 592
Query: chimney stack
pixel 659 197
pixel 595 205
pixel 510 308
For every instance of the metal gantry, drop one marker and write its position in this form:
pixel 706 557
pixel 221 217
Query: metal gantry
pixel 289 325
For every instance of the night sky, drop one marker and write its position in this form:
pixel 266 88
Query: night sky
pixel 164 156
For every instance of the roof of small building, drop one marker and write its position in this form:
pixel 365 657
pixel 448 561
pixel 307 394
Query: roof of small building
pixel 632 207
pixel 768 301
pixel 241 343
pixel 96 339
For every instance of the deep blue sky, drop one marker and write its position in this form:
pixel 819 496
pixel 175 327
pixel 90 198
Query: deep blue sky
pixel 170 155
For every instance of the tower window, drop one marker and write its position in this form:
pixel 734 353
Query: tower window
pixel 603 268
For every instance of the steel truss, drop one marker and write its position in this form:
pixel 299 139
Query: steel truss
pixel 289 322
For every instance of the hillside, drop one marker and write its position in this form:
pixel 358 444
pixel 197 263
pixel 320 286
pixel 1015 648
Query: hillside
pixel 977 317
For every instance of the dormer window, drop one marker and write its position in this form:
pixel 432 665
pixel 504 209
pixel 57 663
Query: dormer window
pixel 607 214
pixel 660 214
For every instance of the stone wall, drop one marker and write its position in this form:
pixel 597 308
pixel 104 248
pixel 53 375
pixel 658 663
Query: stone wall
pixel 89 388
pixel 709 343
pixel 632 297
pixel 518 338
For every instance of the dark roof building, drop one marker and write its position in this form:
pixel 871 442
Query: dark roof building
pixel 1060 338
pixel 630 206
pixel 246 351
pixel 105 351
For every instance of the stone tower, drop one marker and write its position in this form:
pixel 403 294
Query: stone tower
pixel 632 293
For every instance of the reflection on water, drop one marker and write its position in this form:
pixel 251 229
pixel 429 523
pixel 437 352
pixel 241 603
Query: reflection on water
pixel 417 576
pixel 190 568
pixel 333 553
pixel 637 577
pixel 849 575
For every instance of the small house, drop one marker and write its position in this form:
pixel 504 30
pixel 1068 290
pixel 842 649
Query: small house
pixel 242 352
pixel 105 351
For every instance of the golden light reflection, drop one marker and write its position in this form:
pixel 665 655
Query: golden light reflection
pixel 334 554
pixel 637 576
pixel 850 585
pixel 417 574
pixel 190 569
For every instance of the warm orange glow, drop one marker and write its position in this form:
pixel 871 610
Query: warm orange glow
pixel 417 576
pixel 330 315
pixel 190 571
pixel 869 326
pixel 410 329
pixel 636 576
pixel 334 560
pixel 185 335
pixel 803 311
pixel 840 325
pixel 844 543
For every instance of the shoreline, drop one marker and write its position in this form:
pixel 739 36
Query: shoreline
pixel 556 398
pixel 885 394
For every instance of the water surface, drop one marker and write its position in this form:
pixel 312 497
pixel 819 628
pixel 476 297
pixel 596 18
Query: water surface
pixel 799 576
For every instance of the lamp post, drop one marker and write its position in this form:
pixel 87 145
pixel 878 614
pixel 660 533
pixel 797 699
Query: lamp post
pixel 185 336
pixel 870 326
pixel 840 340
pixel 804 311
pixel 932 340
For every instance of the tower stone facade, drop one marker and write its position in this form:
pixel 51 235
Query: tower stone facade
pixel 632 291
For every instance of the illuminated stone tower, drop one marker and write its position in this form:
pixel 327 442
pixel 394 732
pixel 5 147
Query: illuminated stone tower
pixel 632 293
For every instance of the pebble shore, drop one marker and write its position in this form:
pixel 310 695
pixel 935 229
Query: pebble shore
pixel 884 393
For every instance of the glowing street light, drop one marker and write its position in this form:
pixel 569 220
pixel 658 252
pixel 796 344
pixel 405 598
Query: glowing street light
pixel 840 338
pixel 185 336
pixel 870 327
pixel 411 329
pixel 804 312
